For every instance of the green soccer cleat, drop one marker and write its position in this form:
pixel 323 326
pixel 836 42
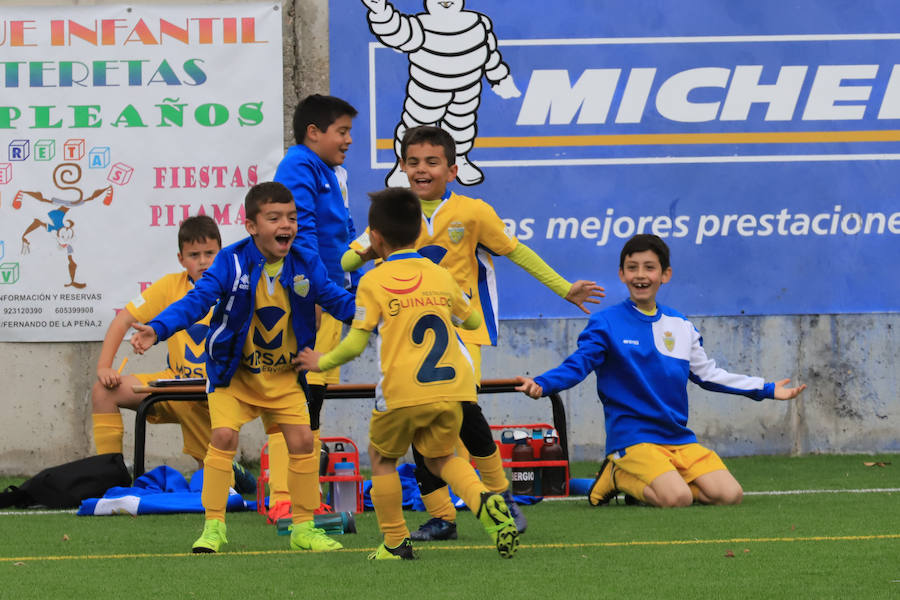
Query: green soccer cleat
pixel 211 539
pixel 499 524
pixel 304 536
pixel 403 551
pixel 604 487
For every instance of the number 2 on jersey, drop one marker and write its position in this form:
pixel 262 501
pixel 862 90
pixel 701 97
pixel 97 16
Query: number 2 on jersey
pixel 430 372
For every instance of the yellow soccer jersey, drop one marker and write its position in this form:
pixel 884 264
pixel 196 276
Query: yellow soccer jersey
pixel 187 348
pixel 266 376
pixel 416 307
pixel 461 236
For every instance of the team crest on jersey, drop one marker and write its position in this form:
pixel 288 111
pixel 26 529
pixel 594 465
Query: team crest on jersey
pixel 456 230
pixel 669 340
pixel 301 285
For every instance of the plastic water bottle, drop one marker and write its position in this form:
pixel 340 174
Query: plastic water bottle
pixel 343 493
pixel 553 479
pixel 524 479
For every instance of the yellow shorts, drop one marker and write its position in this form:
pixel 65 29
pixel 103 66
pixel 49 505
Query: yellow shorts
pixel 227 410
pixel 327 337
pixel 432 428
pixel 192 416
pixel 649 461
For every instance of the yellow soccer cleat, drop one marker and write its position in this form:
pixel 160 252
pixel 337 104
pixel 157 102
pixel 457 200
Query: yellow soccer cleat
pixel 403 551
pixel 499 524
pixel 305 536
pixel 211 539
pixel 604 487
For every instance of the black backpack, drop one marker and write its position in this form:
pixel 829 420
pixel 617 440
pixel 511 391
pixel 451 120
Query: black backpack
pixel 65 486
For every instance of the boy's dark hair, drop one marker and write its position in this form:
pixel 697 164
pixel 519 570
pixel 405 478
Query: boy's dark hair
pixel 198 229
pixel 320 111
pixel 264 193
pixel 426 134
pixel 642 242
pixel 396 214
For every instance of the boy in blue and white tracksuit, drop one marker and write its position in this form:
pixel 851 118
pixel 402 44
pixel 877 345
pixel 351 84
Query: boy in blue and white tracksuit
pixel 643 355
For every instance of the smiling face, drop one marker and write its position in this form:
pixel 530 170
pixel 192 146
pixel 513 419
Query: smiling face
pixel 196 257
pixel 642 273
pixel 274 229
pixel 332 144
pixel 427 169
pixel 436 6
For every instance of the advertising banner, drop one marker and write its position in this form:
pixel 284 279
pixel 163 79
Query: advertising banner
pixel 759 139
pixel 116 123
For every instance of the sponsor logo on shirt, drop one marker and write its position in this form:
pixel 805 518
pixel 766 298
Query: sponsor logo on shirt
pixel 632 342
pixel 244 282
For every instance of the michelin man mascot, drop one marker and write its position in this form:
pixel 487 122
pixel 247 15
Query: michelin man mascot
pixel 450 50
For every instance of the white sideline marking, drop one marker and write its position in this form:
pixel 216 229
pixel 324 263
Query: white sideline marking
pixel 14 513
pixel 769 493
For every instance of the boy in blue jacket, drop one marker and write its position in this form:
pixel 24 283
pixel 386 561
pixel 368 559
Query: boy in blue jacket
pixel 264 290
pixel 643 355
pixel 312 169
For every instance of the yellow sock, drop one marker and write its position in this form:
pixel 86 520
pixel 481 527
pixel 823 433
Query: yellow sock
pixel 387 498
pixel 462 478
pixel 491 470
pixel 695 491
pixel 278 470
pixel 108 432
pixel 217 474
pixel 631 485
pixel 438 504
pixel 303 486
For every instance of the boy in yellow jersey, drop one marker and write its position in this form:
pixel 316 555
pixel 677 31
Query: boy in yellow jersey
pixel 460 234
pixel 426 374
pixel 198 244
pixel 265 291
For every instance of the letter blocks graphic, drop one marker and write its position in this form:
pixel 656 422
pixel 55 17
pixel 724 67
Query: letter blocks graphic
pixel 73 149
pixel 44 150
pixel 5 173
pixel 120 174
pixel 9 272
pixel 19 150
pixel 98 157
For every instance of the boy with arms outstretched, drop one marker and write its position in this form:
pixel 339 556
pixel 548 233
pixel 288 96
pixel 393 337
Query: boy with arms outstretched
pixel 426 374
pixel 643 355
pixel 460 234
pixel 265 290
pixel 312 169
pixel 198 243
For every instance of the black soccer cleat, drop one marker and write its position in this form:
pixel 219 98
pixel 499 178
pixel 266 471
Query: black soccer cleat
pixel 435 529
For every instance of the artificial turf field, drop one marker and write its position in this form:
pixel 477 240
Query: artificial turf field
pixel 838 537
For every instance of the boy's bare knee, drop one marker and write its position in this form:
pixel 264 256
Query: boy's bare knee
pixel 102 399
pixel 732 496
pixel 674 498
pixel 224 438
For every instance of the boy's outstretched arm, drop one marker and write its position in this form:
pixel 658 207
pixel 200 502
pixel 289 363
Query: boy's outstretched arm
pixel 106 374
pixel 577 293
pixel 782 392
pixel 349 348
pixel 144 339
pixel 528 387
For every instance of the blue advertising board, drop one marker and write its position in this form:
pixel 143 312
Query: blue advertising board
pixel 759 139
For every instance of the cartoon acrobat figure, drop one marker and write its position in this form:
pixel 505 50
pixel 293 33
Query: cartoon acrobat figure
pixel 450 50
pixel 66 173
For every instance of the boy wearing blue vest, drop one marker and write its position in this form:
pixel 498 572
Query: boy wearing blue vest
pixel 643 355
pixel 312 170
pixel 265 290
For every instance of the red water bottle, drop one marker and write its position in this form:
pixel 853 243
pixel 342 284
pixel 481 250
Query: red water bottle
pixel 553 479
pixel 523 478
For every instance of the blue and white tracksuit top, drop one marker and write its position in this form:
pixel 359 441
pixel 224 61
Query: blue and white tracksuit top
pixel 643 364
pixel 231 282
pixel 324 225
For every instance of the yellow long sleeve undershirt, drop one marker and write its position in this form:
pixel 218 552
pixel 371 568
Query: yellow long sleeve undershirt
pixel 535 266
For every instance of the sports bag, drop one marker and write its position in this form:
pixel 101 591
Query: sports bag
pixel 65 486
